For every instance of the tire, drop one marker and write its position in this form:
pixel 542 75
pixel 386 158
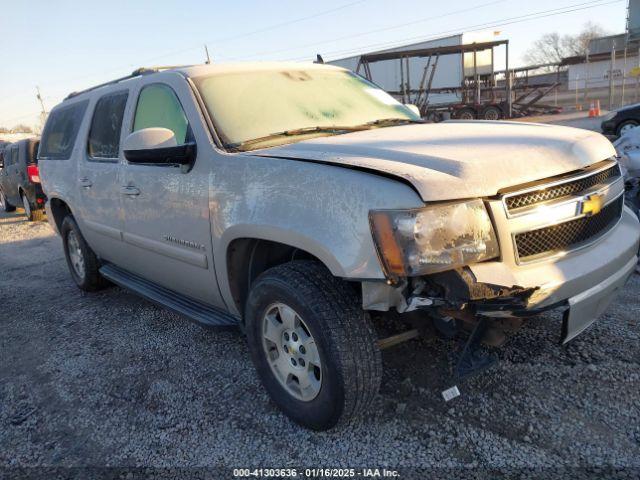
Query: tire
pixel 33 215
pixel 329 308
pixel 625 126
pixel 5 206
pixel 465 113
pixel 84 273
pixel 492 113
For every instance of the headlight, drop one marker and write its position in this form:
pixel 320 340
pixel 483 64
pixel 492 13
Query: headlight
pixel 609 116
pixel 432 239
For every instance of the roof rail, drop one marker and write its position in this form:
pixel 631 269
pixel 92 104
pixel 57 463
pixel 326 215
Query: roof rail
pixel 136 73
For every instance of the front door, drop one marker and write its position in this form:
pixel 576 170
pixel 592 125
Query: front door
pixel 166 208
pixel 98 178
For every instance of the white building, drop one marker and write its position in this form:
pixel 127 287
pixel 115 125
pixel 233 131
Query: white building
pixel 449 72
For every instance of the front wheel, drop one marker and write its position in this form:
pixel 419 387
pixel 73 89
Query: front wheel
pixel 312 344
pixel 626 126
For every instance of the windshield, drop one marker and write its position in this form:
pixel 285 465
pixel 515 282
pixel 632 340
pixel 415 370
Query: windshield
pixel 282 106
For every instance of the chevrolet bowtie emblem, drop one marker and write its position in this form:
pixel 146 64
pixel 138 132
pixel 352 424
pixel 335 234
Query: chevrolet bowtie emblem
pixel 592 204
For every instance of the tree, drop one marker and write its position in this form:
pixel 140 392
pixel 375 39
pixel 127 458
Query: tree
pixel 21 128
pixel 553 47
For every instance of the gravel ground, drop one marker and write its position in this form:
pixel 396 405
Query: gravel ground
pixel 108 379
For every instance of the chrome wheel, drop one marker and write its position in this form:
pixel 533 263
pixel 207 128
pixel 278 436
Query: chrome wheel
pixel 291 352
pixel 27 207
pixel 75 254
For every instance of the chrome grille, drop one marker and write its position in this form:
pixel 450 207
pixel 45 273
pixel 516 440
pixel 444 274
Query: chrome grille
pixel 567 235
pixel 561 190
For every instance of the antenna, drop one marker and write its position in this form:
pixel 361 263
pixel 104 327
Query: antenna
pixel 206 51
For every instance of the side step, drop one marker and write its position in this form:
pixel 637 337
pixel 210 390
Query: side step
pixel 197 311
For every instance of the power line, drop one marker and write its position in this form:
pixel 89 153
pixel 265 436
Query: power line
pixel 502 22
pixel 393 27
pixel 226 39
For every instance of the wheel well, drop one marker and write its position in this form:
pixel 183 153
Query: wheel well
pixel 247 258
pixel 59 210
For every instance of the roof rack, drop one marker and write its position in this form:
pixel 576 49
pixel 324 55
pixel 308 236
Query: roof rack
pixel 136 73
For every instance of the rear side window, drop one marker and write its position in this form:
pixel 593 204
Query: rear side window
pixel 106 125
pixel 33 152
pixel 158 106
pixel 61 131
pixel 14 155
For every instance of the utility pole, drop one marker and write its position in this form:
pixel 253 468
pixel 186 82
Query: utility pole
pixel 43 111
pixel 613 60
pixel 39 97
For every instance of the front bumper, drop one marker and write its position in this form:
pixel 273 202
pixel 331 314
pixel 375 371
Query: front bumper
pixel 584 280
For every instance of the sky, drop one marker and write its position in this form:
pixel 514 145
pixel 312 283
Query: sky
pixel 62 46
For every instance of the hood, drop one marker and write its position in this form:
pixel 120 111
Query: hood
pixel 627 107
pixel 457 159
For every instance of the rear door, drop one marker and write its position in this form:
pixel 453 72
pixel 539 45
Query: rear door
pixel 4 171
pixel 13 175
pixel 166 208
pixel 98 177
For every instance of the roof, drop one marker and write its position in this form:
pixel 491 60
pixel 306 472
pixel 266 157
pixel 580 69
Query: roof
pixel 211 69
pixel 239 67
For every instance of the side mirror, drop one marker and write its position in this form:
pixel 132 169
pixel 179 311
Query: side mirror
pixel 413 108
pixel 157 146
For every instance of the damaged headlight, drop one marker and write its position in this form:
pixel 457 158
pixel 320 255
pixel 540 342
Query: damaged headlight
pixel 433 239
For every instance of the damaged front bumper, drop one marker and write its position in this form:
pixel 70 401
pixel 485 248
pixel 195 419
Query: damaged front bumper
pixel 582 282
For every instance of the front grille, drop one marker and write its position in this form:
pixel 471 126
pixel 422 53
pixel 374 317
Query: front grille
pixel 561 190
pixel 568 235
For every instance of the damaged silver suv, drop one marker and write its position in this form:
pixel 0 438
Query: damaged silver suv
pixel 296 200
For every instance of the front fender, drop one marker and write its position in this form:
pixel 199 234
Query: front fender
pixel 321 209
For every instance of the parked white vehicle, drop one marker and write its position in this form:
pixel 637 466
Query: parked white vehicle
pixel 293 200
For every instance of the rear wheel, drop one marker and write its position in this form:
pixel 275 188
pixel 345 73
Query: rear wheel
pixel 5 206
pixel 81 260
pixel 626 126
pixel 33 215
pixel 312 344
pixel 466 113
pixel 492 113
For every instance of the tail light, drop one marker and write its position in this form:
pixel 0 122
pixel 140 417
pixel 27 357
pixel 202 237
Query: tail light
pixel 33 174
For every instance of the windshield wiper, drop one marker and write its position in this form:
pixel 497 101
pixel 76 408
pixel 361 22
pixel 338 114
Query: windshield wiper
pixel 393 121
pixel 336 129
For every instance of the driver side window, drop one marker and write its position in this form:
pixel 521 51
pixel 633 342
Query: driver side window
pixel 158 106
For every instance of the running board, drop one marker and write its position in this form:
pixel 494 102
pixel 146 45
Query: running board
pixel 194 310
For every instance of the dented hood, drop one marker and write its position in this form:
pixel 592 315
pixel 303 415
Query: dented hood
pixel 457 159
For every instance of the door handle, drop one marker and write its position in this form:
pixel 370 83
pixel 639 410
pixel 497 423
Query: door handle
pixel 130 191
pixel 85 182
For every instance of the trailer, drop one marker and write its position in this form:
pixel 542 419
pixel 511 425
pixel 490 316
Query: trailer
pixel 472 89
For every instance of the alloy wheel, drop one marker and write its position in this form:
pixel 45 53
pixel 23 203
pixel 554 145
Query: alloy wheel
pixel 75 254
pixel 626 128
pixel 291 352
pixel 27 207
